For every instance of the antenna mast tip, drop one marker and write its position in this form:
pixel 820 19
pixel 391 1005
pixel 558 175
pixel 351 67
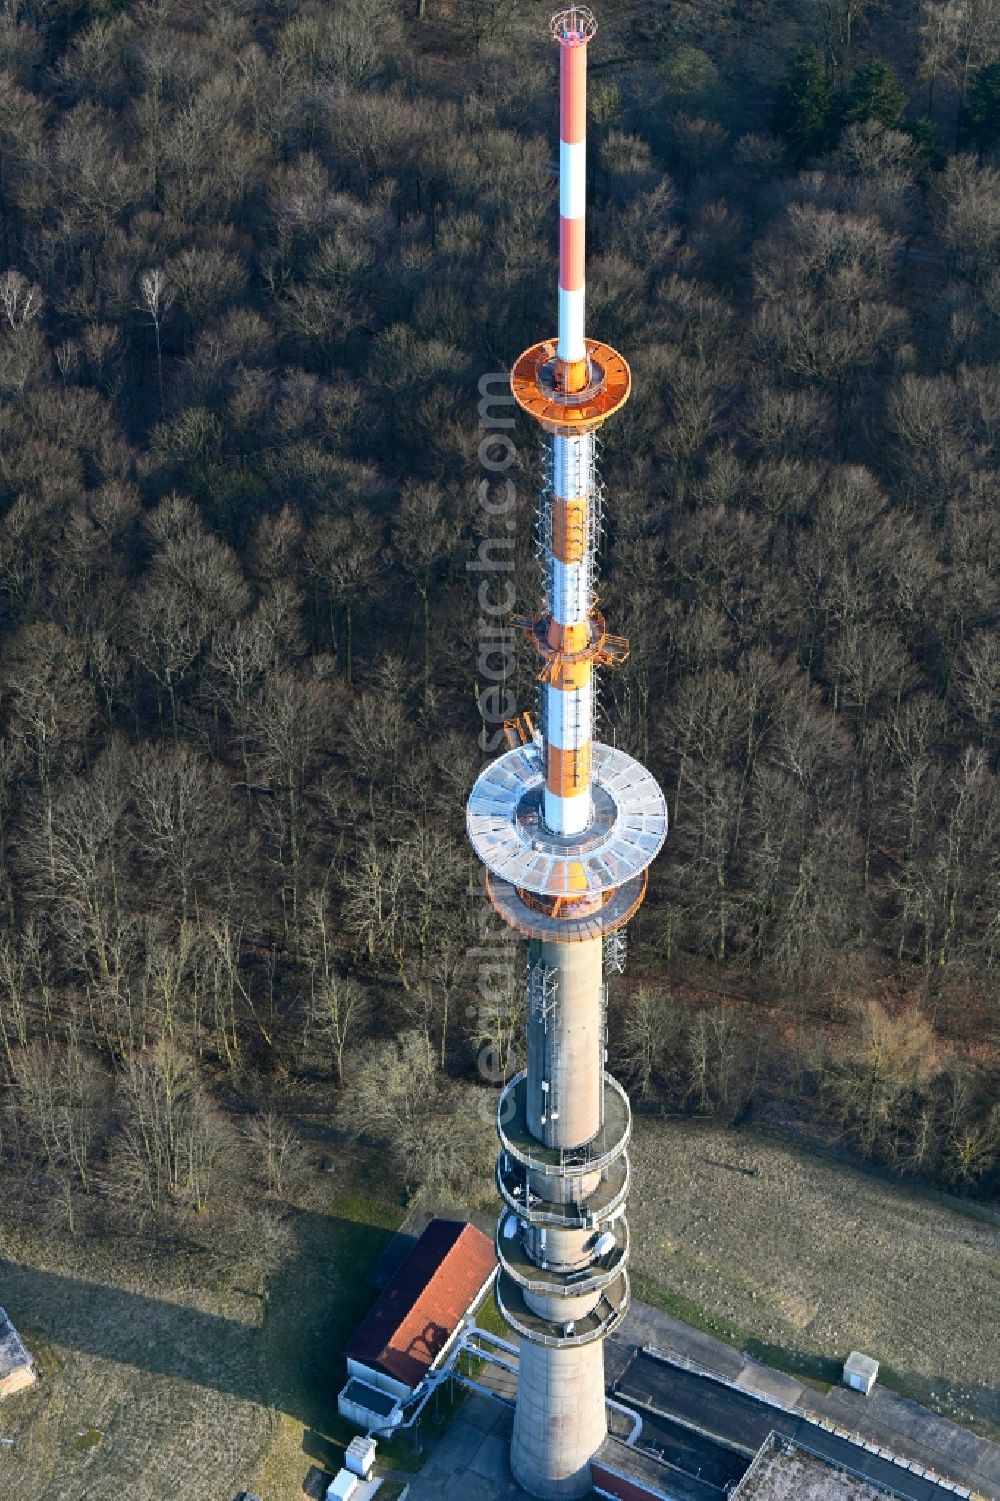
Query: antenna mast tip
pixel 574 26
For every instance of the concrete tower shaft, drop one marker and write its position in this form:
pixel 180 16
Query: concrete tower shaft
pixel 566 828
pixel 565 1041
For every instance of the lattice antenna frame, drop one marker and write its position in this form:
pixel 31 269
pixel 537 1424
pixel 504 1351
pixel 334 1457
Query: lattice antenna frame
pixel 543 992
pixel 616 952
pixel 573 26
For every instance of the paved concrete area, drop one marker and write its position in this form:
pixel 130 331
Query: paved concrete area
pixel 470 1463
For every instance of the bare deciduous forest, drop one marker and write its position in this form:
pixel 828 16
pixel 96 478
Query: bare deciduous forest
pixel 256 259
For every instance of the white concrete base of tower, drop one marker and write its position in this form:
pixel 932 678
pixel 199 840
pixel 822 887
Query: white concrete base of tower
pixel 561 1419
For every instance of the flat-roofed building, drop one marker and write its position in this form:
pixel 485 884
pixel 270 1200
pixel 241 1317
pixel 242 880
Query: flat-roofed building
pixel 783 1472
pixel 624 1473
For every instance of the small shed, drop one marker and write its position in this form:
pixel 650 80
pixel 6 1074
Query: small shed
pixel 860 1372
pixel 17 1369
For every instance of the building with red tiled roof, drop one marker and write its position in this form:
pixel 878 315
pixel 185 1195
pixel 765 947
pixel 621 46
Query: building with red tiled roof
pixel 416 1318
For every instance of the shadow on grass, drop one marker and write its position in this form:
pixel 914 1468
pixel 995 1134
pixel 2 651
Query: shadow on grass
pixel 323 1451
pixel 822 1371
pixel 316 1483
pixel 291 1361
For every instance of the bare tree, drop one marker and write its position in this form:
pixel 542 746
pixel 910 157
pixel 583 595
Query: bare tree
pixel 957 36
pixel 837 23
pixel 239 655
pixel 390 1089
pixel 185 826
pixel 372 885
pixel 892 1056
pixel 14 997
pixel 975 1146
pixel 643 1035
pixel 969 193
pixel 276 1147
pixel 20 300
pixel 59 1094
pixel 497 1015
pixel 343 553
pixel 173 1141
pixel 977 682
pixel 290 724
pixel 822 906
pixel 157 299
pixel 338 1006
pixel 51 703
pixel 424 536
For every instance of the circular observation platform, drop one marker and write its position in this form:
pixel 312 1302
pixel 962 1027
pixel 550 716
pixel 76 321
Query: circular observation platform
pixel 510 838
pixel 590 1157
pixel 603 1320
pixel 588 1213
pixel 562 927
pixel 535 384
pixel 514 1259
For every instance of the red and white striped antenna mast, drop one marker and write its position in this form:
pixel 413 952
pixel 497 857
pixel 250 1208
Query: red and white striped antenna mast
pixel 566 828
pixel 572 29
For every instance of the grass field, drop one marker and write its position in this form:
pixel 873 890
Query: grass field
pixel 152 1386
pixel 800 1258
